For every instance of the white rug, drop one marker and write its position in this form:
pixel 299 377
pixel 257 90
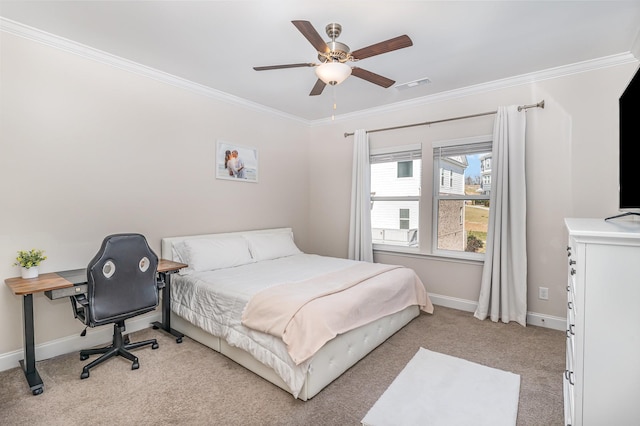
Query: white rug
pixel 437 389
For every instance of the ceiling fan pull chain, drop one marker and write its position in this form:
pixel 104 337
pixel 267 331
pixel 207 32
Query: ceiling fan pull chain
pixel 335 104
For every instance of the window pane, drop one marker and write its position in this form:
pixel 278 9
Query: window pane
pixel 395 192
pixel 385 181
pixel 461 196
pixel 470 234
pixel 390 227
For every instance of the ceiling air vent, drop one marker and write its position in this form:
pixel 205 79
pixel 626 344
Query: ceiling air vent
pixel 412 84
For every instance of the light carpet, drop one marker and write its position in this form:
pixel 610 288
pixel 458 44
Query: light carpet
pixel 437 389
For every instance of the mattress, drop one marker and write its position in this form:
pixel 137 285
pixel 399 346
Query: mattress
pixel 212 302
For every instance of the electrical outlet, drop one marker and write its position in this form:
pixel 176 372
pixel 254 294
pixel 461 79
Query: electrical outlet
pixel 543 293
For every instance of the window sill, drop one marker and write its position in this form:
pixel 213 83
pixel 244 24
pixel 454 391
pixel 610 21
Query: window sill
pixel 417 254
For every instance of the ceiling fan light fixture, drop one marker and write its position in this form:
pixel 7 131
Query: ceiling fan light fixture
pixel 333 73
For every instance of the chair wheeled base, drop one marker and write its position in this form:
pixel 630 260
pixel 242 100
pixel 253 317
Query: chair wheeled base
pixel 119 347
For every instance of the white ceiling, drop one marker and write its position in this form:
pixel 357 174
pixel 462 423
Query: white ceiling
pixel 456 44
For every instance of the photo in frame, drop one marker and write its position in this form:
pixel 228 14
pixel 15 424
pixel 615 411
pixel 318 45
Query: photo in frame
pixel 236 162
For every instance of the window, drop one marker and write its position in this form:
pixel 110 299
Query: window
pixel 405 169
pixel 395 195
pixel 405 218
pixel 461 201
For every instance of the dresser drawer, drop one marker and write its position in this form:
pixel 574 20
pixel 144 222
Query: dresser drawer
pixel 571 344
pixel 571 307
pixel 568 390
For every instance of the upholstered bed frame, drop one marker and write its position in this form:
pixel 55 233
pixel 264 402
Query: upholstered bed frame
pixel 333 359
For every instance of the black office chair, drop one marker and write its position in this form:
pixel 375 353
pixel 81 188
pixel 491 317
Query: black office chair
pixel 121 283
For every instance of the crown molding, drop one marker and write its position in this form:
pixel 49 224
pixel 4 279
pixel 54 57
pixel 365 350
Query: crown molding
pixel 635 47
pixel 551 73
pixel 62 43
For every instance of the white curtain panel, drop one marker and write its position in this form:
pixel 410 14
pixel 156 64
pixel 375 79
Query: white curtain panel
pixel 360 246
pixel 503 291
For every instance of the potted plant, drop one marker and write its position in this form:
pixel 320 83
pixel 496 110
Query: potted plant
pixel 29 261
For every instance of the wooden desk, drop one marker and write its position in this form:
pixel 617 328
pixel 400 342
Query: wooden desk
pixel 166 268
pixel 53 284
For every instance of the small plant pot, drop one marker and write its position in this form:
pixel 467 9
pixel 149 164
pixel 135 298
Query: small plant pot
pixel 29 272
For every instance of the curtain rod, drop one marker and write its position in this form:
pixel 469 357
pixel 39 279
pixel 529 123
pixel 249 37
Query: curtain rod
pixel 426 123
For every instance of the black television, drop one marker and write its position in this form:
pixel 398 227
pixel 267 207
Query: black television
pixel 629 193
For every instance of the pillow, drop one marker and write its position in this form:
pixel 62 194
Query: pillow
pixel 208 254
pixel 269 246
pixel 179 252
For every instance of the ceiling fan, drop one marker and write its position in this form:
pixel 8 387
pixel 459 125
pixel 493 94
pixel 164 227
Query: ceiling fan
pixel 333 56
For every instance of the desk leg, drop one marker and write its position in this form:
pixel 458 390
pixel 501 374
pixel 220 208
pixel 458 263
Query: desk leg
pixel 28 364
pixel 166 309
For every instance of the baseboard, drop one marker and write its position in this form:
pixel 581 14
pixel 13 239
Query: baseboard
pixel 533 318
pixel 453 302
pixel 547 321
pixel 95 336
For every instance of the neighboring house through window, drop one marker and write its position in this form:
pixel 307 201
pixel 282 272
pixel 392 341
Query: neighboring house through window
pixel 396 175
pixel 485 169
pixel 461 196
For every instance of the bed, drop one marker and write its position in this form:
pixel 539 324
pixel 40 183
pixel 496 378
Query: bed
pixel 225 298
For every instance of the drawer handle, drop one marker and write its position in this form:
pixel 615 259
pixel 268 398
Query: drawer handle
pixel 572 262
pixel 569 376
pixel 573 271
pixel 568 288
pixel 570 331
pixel 570 305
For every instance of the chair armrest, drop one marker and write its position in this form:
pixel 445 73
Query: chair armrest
pixel 81 299
pixel 160 283
pixel 80 306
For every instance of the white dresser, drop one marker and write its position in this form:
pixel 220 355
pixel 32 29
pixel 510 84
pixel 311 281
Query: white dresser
pixel 602 377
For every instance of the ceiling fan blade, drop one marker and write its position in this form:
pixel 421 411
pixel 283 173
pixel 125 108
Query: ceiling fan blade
pixel 390 45
pixel 318 88
pixel 312 35
pixel 278 67
pixel 372 77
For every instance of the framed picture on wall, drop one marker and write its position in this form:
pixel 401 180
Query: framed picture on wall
pixel 236 162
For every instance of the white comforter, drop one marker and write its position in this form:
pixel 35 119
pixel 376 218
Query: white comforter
pixel 215 301
pixel 307 314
